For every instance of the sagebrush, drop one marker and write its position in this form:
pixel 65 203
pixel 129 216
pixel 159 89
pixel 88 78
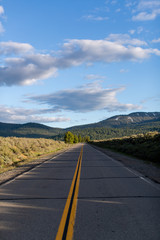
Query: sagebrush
pixel 15 150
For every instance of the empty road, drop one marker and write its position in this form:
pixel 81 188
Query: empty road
pixel 114 203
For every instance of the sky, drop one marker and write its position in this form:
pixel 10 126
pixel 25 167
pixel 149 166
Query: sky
pixel 69 62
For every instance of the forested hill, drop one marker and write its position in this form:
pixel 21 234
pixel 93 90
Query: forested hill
pixel 32 130
pixel 116 126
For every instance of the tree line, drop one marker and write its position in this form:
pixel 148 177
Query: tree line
pixel 71 138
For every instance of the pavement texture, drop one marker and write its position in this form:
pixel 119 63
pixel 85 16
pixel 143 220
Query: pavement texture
pixel 113 203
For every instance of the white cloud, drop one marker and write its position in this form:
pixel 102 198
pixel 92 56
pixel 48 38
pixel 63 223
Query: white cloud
pixel 139 29
pixel 145 4
pixel 157 52
pixel 144 16
pixel 126 39
pixel 118 10
pixel 147 10
pixel 94 77
pixel 123 70
pixel 1 28
pixel 8 48
pixel 95 18
pixel 1 10
pixel 26 70
pixel 114 2
pixel 87 98
pixel 132 31
pixel 76 52
pixel 129 4
pixel 21 65
pixel 1 16
pixel 156 40
pixel 22 115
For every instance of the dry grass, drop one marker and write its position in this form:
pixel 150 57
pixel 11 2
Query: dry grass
pixel 14 151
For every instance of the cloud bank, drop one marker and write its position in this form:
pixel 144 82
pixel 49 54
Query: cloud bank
pixel 87 98
pixel 21 115
pixel 22 65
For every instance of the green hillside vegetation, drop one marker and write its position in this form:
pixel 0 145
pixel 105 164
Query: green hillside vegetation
pixel 98 133
pixel 15 151
pixel 71 138
pixel 143 146
pixel 29 130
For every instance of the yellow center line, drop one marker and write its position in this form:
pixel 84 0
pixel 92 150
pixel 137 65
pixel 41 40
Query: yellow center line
pixel 65 230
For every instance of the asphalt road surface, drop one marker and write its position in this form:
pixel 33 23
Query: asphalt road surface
pixel 114 203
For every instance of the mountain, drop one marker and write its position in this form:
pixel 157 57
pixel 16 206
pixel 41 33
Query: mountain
pixel 116 126
pixel 124 120
pixel 32 130
pixel 130 119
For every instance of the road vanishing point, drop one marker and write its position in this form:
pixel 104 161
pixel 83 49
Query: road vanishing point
pixel 81 194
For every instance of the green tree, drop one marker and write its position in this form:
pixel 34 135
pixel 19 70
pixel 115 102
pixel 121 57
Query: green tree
pixel 87 139
pixel 79 138
pixel 69 137
pixel 75 139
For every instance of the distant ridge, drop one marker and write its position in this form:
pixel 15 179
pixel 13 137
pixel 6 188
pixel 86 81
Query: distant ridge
pixel 32 130
pixel 115 126
pixel 132 118
pixel 124 120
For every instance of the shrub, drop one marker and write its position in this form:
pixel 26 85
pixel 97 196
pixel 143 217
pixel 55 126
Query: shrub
pixel 14 150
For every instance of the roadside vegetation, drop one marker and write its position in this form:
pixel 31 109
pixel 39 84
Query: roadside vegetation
pixel 15 151
pixel 143 146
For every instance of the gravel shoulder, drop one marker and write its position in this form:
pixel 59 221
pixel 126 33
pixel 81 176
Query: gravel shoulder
pixel 147 169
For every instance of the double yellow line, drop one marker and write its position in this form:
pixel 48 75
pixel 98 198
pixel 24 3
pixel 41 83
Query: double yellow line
pixel 65 230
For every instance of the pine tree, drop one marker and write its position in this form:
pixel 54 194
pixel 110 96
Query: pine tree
pixel 87 139
pixel 75 139
pixel 69 137
pixel 79 138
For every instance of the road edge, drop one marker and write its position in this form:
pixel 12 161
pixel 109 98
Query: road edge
pixel 136 164
pixel 12 174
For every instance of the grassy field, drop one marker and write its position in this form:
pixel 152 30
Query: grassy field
pixel 143 146
pixel 15 151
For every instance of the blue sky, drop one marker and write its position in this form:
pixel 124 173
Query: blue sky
pixel 66 63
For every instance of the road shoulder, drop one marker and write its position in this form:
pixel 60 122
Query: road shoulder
pixel 148 170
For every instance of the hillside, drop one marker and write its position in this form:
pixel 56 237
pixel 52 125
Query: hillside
pixel 131 119
pixel 116 126
pixel 125 120
pixel 31 130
